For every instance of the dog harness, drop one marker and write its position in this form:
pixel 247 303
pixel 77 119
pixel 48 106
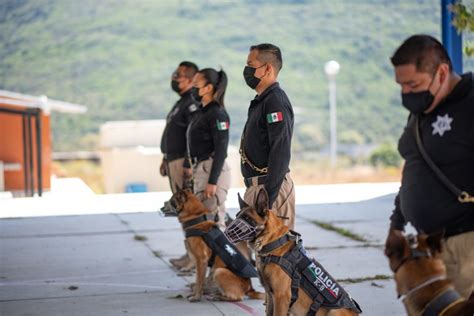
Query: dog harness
pixel 220 246
pixel 309 275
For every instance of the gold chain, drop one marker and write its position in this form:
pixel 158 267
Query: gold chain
pixel 465 197
pixel 245 160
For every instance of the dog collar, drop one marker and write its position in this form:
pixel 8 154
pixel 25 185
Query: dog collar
pixel 289 236
pixel 200 219
pixel 442 303
pixel 431 280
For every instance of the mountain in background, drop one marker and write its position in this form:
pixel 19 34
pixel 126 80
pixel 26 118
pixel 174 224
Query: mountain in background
pixel 116 57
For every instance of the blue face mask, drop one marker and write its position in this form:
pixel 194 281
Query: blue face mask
pixel 419 102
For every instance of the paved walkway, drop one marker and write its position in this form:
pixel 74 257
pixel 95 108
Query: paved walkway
pixel 93 265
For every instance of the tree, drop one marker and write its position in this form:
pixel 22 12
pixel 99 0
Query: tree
pixel 463 21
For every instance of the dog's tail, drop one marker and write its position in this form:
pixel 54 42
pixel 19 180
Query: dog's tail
pixel 255 295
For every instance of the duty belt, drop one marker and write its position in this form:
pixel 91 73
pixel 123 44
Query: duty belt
pixel 171 157
pixel 259 179
pixel 196 160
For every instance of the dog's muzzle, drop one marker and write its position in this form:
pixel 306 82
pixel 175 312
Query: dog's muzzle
pixel 168 210
pixel 240 230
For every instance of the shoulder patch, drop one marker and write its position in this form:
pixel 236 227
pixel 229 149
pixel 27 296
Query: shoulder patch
pixel 274 117
pixel 222 126
pixel 193 107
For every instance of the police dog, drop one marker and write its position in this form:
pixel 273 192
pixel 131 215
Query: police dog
pixel 259 225
pixel 231 286
pixel 420 276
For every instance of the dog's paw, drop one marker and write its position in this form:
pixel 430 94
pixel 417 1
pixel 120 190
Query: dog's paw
pixel 215 297
pixel 194 298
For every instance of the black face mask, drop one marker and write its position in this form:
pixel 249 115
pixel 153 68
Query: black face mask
pixel 175 86
pixel 419 102
pixel 195 94
pixel 249 76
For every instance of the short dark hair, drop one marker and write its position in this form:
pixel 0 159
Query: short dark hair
pixel 423 51
pixel 269 53
pixel 191 68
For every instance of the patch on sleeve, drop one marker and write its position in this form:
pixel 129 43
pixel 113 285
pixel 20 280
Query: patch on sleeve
pixel 193 107
pixel 274 117
pixel 222 126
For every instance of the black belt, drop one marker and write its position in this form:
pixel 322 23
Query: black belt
pixel 260 180
pixel 171 157
pixel 196 160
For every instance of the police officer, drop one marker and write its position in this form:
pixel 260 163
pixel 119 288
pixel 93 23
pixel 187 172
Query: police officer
pixel 265 147
pixel 208 138
pixel 173 141
pixel 443 101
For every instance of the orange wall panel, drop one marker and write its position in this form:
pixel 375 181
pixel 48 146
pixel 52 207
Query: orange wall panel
pixel 11 149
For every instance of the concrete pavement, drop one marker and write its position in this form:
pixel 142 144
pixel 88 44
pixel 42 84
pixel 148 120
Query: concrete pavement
pixel 93 265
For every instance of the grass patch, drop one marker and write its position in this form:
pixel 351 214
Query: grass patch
pixel 377 277
pixel 341 231
pixel 157 253
pixel 140 238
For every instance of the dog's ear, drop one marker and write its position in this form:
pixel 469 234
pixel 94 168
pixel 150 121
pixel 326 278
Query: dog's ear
pixel 242 203
pixel 434 241
pixel 261 203
pixel 395 244
pixel 178 187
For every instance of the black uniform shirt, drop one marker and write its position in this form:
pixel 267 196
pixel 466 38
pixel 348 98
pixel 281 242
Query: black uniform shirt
pixel 208 136
pixel 267 137
pixel 173 140
pixel 448 137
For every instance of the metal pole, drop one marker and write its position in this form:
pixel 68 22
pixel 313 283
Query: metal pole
pixel 452 41
pixel 332 121
pixel 39 152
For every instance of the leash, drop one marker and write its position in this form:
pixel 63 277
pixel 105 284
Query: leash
pixel 463 196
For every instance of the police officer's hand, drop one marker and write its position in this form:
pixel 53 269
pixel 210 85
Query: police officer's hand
pixel 187 173
pixel 210 190
pixel 163 171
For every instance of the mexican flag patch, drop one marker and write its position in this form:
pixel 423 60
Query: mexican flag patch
pixel 222 126
pixel 274 117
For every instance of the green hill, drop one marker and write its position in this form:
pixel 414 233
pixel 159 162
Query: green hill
pixel 116 57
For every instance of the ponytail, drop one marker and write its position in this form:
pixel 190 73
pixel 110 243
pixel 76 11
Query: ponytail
pixel 218 80
pixel 220 88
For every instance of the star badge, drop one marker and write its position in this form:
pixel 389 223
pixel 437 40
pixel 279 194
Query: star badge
pixel 442 124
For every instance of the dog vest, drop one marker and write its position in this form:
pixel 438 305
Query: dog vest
pixel 220 246
pixel 309 275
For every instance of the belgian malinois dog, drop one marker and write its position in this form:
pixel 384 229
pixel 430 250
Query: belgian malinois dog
pixel 420 275
pixel 273 240
pixel 231 287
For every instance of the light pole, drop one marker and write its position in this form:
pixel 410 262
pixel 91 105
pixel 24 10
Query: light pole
pixel 332 68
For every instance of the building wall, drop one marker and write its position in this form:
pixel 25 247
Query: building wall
pixel 11 149
pixel 130 153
